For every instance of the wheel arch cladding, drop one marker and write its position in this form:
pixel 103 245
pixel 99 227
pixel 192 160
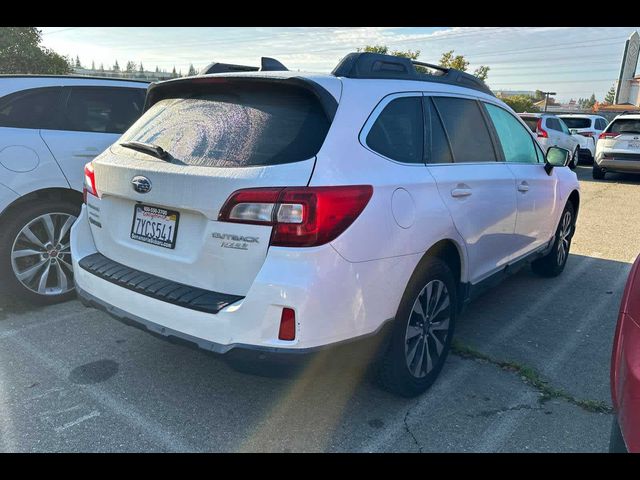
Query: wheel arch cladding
pixel 448 251
pixel 67 194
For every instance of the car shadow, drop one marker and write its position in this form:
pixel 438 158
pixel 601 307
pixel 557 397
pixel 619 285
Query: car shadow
pixel 584 175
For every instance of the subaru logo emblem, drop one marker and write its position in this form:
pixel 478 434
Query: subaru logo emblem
pixel 141 184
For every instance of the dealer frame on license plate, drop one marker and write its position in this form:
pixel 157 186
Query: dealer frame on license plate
pixel 635 144
pixel 155 225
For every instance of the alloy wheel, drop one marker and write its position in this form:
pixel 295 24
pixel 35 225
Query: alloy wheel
pixel 41 254
pixel 427 328
pixel 564 238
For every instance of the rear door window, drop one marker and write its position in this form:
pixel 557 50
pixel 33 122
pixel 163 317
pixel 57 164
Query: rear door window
pixel 236 126
pixel 398 132
pixel 466 129
pixel 104 110
pixel 33 108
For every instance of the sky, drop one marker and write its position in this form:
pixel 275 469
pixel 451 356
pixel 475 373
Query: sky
pixel 572 61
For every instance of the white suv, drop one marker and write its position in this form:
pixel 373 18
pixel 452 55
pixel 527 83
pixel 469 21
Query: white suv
pixel 587 128
pixel 50 126
pixel 618 147
pixel 279 213
pixel 551 131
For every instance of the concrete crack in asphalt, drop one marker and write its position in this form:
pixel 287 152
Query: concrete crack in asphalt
pixel 532 378
pixel 408 429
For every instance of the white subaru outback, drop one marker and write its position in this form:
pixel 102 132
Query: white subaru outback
pixel 279 213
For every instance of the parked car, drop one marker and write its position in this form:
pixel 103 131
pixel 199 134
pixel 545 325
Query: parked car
pixel 50 126
pixel 588 126
pixel 618 147
pixel 274 214
pixel 625 369
pixel 551 131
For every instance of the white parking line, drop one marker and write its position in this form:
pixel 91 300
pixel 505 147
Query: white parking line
pixel 93 414
pixel 128 413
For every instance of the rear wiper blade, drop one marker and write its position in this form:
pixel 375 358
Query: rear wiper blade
pixel 149 148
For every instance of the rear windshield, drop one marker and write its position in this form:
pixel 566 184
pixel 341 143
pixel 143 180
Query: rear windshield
pixel 532 123
pixel 236 126
pixel 577 122
pixel 625 125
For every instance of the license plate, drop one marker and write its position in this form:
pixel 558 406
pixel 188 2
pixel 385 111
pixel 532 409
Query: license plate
pixel 634 144
pixel 154 225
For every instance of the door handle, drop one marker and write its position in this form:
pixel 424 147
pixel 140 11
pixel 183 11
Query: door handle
pixel 523 187
pixel 460 192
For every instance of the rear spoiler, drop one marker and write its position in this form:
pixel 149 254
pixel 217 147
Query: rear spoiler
pixel 188 85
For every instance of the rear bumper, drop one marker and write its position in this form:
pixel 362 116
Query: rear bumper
pixel 335 301
pixel 625 164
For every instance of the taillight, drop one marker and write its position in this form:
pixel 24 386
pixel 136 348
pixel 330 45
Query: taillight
pixel 586 134
pixel 541 131
pixel 605 135
pixel 89 182
pixel 300 216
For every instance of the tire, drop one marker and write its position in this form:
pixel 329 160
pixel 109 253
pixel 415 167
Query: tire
pixel 575 159
pixel 404 369
pixel 553 263
pixel 597 172
pixel 616 441
pixel 57 285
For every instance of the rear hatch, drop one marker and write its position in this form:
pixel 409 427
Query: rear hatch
pixel 622 139
pixel 582 128
pixel 222 134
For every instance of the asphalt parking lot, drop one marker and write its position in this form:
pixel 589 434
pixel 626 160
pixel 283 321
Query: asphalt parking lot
pixel 530 372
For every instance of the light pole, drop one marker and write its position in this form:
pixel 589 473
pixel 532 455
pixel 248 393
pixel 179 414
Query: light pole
pixel 546 98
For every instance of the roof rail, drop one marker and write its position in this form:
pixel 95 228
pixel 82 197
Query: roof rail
pixel 267 64
pixel 368 65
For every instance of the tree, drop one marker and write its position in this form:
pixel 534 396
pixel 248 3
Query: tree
pixel 192 71
pixel 93 65
pixel 78 64
pixel 610 97
pixel 521 103
pixel 116 67
pixel 21 52
pixel 102 67
pixel 157 69
pixel 458 62
pixel 539 95
pixel 131 67
pixel 173 73
pixel 482 72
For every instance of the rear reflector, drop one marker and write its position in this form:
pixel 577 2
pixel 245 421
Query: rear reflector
pixel 89 182
pixel 301 216
pixel 287 325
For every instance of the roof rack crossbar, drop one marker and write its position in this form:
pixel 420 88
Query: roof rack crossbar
pixel 431 66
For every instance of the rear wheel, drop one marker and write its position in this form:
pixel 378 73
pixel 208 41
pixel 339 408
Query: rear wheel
pixel 575 159
pixel 552 264
pixel 35 253
pixel 422 333
pixel 597 172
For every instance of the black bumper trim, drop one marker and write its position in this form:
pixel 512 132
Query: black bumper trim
pixel 159 288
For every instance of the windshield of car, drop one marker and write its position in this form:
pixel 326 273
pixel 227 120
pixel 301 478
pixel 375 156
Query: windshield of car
pixel 235 126
pixel 625 125
pixel 573 122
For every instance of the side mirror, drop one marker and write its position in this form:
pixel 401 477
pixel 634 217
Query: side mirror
pixel 556 157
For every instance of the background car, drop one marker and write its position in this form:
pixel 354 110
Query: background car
pixel 618 147
pixel 50 126
pixel 625 369
pixel 588 126
pixel 551 131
